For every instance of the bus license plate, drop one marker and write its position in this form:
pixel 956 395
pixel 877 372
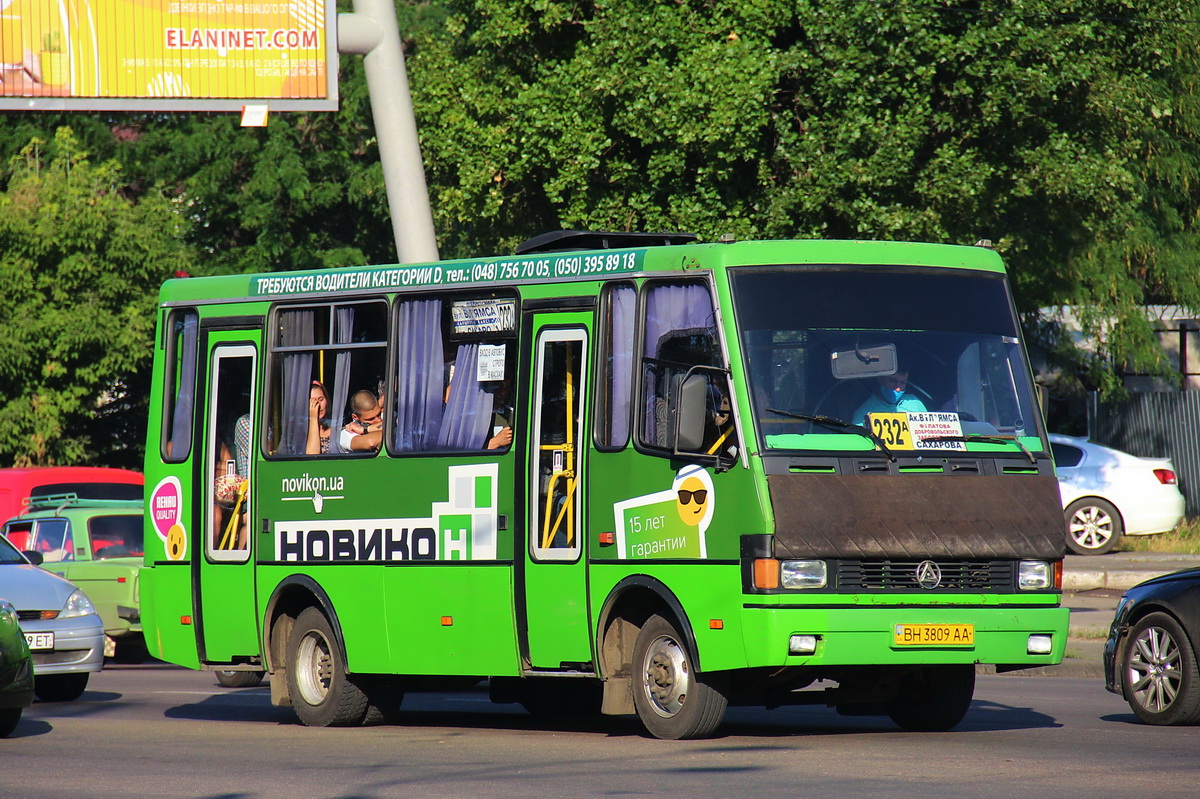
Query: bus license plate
pixel 40 641
pixel 934 635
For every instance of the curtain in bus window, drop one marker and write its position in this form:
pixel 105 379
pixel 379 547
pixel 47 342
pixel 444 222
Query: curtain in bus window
pixel 621 353
pixel 296 331
pixel 181 420
pixel 342 333
pixel 419 388
pixel 468 416
pixel 670 310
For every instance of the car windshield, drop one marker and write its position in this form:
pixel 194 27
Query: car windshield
pixel 825 346
pixel 9 553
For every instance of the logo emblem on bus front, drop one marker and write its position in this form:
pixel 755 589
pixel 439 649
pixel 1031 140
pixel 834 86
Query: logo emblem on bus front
pixel 928 574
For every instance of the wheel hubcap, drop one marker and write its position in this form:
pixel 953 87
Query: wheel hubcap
pixel 314 666
pixel 1154 675
pixel 666 676
pixel 1091 527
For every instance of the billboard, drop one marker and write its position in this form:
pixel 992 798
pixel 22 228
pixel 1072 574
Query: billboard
pixel 170 55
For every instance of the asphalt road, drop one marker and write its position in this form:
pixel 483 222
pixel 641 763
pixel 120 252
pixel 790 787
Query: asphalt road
pixel 157 731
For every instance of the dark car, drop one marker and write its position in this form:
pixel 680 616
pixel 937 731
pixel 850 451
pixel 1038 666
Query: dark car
pixel 16 670
pixel 1150 656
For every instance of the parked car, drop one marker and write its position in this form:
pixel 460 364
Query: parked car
pixel 16 670
pixel 94 482
pixel 1150 655
pixel 96 544
pixel 60 625
pixel 1107 493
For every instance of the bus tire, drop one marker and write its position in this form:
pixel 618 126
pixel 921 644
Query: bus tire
pixel 933 698
pixel 384 697
pixel 240 679
pixel 672 700
pixel 321 693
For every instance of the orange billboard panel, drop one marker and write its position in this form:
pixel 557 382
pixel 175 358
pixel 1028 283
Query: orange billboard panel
pixel 167 54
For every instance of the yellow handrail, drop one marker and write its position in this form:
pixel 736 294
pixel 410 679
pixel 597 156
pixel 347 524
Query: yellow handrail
pixel 227 539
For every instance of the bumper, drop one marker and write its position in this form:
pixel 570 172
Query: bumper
pixel 78 645
pixel 864 635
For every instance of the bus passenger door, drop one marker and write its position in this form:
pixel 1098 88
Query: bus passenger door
pixel 555 569
pixel 226 614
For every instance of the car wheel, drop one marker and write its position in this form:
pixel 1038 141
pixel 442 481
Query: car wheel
pixel 60 687
pixel 933 698
pixel 9 718
pixel 240 679
pixel 1093 526
pixel 1161 681
pixel 672 700
pixel 322 695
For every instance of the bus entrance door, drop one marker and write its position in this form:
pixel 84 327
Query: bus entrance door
pixel 555 576
pixel 226 624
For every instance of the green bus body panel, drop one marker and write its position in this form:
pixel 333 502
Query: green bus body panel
pixel 461 617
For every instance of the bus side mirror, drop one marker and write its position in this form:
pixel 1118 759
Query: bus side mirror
pixel 690 416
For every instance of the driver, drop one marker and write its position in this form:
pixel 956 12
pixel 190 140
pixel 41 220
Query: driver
pixel 890 395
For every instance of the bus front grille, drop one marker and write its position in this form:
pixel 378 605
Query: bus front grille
pixel 926 575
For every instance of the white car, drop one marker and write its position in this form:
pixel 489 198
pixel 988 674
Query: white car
pixel 64 632
pixel 1107 493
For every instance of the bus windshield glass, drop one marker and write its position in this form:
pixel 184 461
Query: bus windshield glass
pixel 837 354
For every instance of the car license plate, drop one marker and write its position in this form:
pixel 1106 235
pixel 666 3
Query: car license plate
pixel 934 635
pixel 40 641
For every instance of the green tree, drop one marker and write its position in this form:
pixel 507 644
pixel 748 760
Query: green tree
pixel 1063 132
pixel 81 264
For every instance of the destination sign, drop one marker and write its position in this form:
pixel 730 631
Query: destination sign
pixel 535 269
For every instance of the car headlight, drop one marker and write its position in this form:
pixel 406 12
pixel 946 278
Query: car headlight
pixel 77 605
pixel 8 614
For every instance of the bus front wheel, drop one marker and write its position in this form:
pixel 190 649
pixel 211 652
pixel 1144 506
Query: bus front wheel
pixel 321 693
pixel 672 700
pixel 933 698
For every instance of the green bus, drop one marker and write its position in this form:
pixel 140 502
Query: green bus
pixel 614 473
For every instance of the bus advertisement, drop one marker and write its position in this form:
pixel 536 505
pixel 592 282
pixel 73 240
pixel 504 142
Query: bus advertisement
pixel 655 477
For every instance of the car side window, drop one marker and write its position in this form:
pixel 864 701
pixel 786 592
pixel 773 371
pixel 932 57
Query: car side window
pixel 1065 455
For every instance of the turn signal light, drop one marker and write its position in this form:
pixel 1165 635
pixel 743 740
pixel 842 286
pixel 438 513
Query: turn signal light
pixel 766 573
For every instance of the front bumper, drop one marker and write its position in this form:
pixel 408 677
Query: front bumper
pixel 864 635
pixel 78 645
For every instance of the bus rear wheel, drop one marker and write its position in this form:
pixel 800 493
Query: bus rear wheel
pixel 933 698
pixel 321 693
pixel 672 700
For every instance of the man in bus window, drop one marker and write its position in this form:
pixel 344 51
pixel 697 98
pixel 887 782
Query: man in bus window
pixel 365 432
pixel 890 395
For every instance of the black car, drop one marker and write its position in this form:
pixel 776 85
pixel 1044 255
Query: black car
pixel 1150 656
pixel 16 670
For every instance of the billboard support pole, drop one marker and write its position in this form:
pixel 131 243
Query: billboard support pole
pixel 372 32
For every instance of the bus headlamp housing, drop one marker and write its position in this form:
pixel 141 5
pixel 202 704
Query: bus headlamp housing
pixel 803 574
pixel 1033 575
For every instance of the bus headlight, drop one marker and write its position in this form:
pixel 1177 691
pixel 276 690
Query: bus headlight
pixel 803 574
pixel 1033 575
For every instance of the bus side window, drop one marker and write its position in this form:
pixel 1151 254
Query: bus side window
pixel 322 356
pixel 616 379
pixel 454 374
pixel 679 332
pixel 179 396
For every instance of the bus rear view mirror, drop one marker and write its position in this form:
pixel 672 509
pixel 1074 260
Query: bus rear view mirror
pixel 864 362
pixel 693 392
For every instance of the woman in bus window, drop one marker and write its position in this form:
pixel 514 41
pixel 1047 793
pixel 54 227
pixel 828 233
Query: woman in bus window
pixel 319 427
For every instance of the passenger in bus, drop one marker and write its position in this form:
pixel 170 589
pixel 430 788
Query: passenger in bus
pixel 319 426
pixel 365 432
pixel 890 395
pixel 501 434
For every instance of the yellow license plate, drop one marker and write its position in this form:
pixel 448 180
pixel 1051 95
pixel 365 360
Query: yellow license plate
pixel 892 429
pixel 934 635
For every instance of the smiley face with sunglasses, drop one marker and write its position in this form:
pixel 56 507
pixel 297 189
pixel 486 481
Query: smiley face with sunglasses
pixel 694 496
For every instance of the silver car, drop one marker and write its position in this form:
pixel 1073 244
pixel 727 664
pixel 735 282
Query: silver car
pixel 64 632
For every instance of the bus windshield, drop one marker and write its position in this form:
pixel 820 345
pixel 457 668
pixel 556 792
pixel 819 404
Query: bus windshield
pixel 826 346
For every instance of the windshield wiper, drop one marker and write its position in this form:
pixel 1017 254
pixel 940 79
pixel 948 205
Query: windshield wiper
pixel 981 439
pixel 840 424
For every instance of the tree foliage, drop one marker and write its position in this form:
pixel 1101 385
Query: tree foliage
pixel 81 265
